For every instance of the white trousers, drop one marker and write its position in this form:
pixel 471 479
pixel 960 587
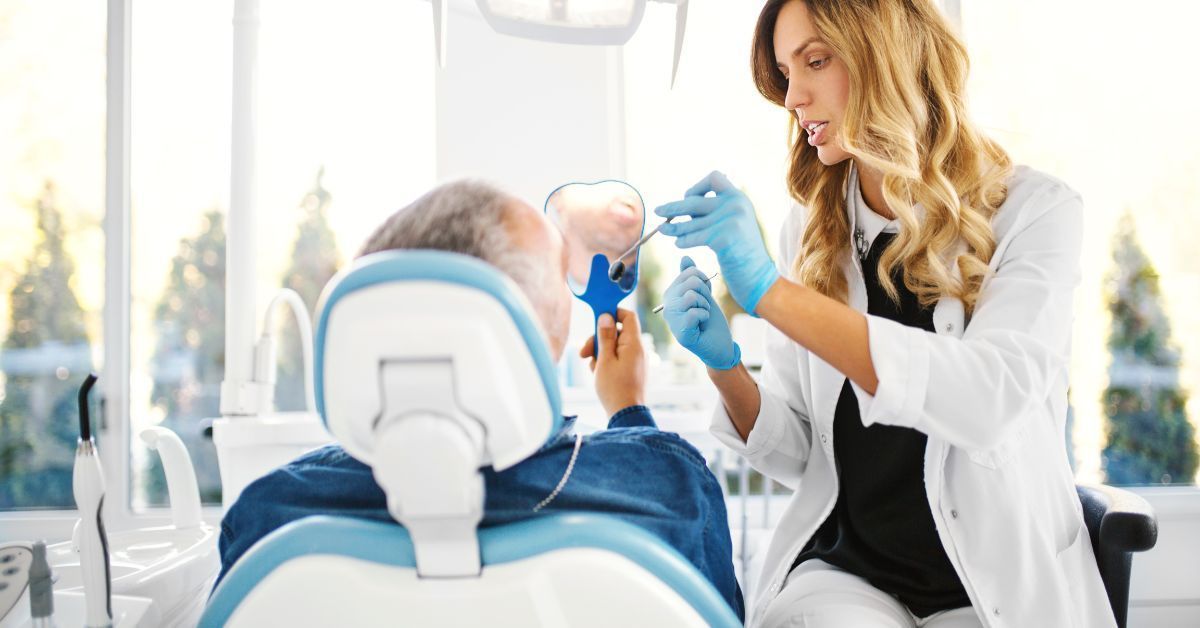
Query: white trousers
pixel 819 595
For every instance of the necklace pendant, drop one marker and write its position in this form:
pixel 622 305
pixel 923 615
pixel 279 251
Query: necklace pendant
pixel 860 243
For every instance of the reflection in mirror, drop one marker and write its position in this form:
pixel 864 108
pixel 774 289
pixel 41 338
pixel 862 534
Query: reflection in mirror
pixel 606 218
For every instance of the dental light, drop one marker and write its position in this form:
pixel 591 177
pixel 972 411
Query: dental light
pixel 594 22
pixel 586 22
pixel 597 22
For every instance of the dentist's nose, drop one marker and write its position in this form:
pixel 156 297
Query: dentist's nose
pixel 797 97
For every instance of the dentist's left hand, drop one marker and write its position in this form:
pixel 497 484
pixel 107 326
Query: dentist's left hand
pixel 620 365
pixel 696 320
pixel 725 223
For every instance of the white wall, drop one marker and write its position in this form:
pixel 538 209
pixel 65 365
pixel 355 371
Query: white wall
pixel 1164 589
pixel 527 115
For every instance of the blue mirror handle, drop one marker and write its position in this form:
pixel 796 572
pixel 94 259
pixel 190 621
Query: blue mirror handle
pixel 603 294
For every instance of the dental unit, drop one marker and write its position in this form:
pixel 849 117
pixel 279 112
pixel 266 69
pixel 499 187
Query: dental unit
pixel 149 577
pixel 88 484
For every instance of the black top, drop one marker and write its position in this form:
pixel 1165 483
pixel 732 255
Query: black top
pixel 881 528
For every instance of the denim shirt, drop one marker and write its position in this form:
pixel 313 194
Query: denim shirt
pixel 632 471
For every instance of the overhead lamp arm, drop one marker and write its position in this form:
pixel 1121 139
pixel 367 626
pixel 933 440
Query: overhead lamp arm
pixel 440 13
pixel 681 10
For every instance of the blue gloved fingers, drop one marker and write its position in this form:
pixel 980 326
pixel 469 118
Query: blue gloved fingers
pixel 695 317
pixel 697 283
pixel 714 182
pixel 676 289
pixel 699 238
pixel 691 206
pixel 677 286
pixel 687 301
pixel 681 228
pixel 689 310
pixel 695 320
pixel 686 263
pixel 714 237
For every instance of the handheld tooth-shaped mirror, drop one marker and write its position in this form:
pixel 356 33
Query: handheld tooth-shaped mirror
pixel 600 223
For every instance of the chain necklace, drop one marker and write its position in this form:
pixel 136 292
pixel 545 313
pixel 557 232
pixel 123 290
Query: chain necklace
pixel 566 475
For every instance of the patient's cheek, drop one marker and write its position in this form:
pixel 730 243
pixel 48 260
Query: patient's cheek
pixel 561 326
pixel 564 320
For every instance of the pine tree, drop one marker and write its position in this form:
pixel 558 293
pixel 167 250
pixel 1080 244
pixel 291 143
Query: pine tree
pixel 1150 439
pixel 189 357
pixel 44 360
pixel 314 261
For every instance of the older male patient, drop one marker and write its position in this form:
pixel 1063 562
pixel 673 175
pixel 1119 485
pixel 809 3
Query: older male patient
pixel 631 470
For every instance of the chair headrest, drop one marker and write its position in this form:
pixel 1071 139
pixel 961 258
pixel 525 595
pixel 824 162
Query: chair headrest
pixel 415 305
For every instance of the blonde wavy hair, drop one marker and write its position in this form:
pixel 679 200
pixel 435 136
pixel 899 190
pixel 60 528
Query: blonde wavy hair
pixel 906 118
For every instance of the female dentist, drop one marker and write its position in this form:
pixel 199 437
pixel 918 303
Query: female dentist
pixel 914 391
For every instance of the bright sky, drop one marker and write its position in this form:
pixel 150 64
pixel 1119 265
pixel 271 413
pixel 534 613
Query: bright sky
pixel 1086 90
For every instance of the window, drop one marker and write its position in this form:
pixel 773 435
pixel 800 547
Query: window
pixel 52 108
pixel 345 137
pixel 1113 118
pixel 179 163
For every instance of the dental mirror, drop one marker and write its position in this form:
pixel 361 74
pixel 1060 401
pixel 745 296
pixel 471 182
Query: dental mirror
pixel 600 222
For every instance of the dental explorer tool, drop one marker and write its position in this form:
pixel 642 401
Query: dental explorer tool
pixel 41 589
pixel 617 269
pixel 707 279
pixel 88 486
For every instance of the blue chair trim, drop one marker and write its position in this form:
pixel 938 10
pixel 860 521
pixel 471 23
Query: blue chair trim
pixel 390 544
pixel 453 268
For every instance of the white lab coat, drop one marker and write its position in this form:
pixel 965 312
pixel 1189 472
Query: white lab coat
pixel 990 395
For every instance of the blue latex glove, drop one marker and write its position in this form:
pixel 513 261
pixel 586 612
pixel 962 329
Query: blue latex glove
pixel 696 321
pixel 726 224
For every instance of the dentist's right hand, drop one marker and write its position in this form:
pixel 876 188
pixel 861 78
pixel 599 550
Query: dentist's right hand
pixel 725 223
pixel 696 321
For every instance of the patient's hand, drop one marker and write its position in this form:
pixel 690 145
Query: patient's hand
pixel 620 367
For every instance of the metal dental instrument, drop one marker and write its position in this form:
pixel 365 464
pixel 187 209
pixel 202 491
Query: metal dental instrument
pixel 617 269
pixel 707 279
pixel 41 589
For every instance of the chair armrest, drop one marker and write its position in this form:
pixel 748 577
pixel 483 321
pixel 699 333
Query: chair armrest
pixel 1126 521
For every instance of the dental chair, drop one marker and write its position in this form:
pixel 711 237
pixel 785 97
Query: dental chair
pixel 429 366
pixel 1119 523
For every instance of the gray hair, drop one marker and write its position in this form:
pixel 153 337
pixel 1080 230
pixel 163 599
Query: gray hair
pixel 468 217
